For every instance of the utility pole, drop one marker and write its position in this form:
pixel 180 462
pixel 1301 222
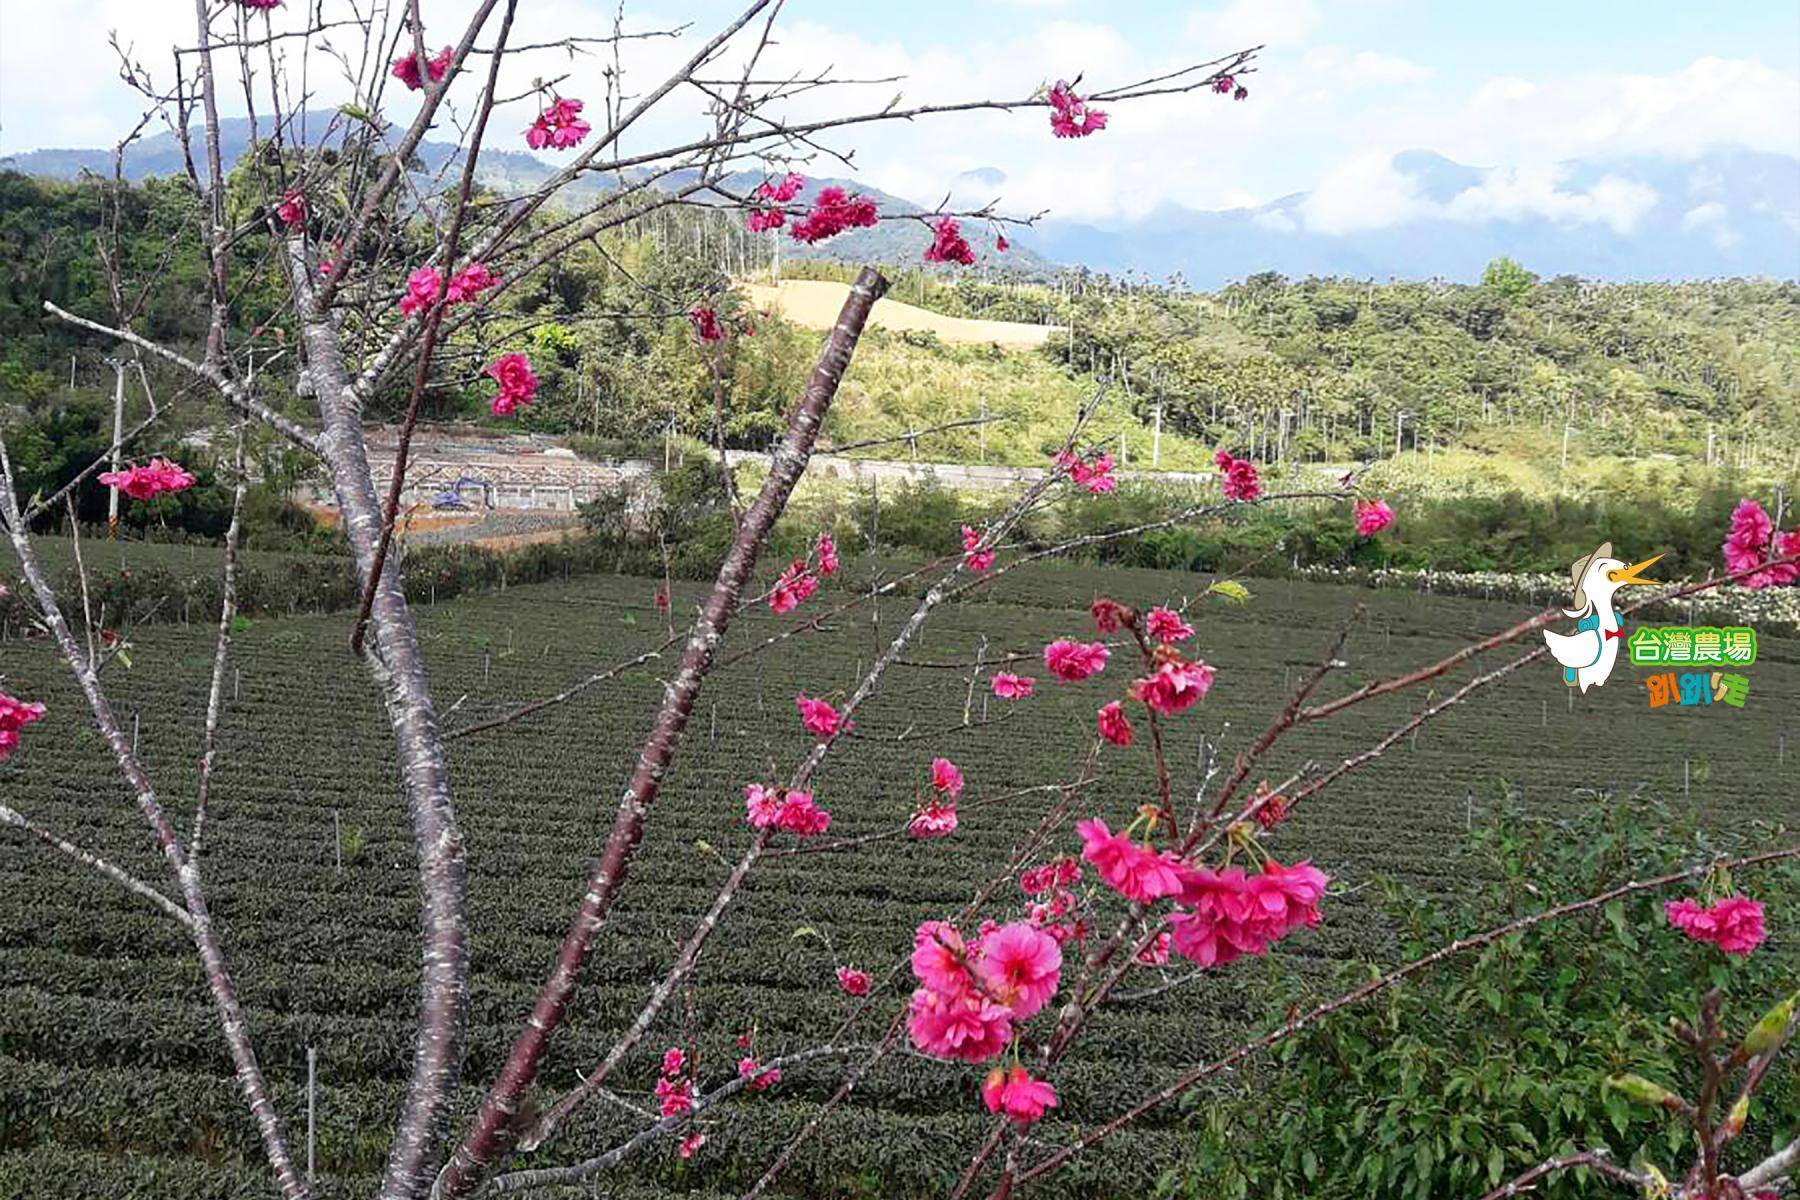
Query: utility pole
pixel 118 436
pixel 1565 450
pixel 1156 438
pixel 1399 420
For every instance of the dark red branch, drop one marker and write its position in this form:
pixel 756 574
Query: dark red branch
pixel 488 1138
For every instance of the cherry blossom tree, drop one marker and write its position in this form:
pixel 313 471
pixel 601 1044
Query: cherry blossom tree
pixel 379 264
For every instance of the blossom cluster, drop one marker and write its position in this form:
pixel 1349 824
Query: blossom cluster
pixel 1070 115
pixel 518 383
pixel 1226 85
pixel 819 718
pixel 1237 477
pixel 1094 474
pixel 781 808
pixel 159 475
pixel 1372 516
pixel 15 714
pixel 948 244
pixel 406 68
pixel 834 211
pixel 795 586
pixel 292 208
pixel 936 817
pixel 771 196
pixel 975 558
pixel 559 127
pixel 423 284
pixel 705 320
pixel 1752 539
pixel 1072 661
pixel 1008 686
pixel 1734 923
pixel 674 1090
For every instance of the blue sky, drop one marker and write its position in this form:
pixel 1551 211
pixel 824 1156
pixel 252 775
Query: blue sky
pixel 1343 85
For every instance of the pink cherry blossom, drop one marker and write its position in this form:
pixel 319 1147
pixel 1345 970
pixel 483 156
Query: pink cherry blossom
pixel 1733 924
pixel 706 323
pixel 1107 614
pixel 832 213
pixel 1008 686
pixel 761 220
pixel 946 778
pixel 779 193
pixel 799 814
pixel 406 68
pixel 421 290
pixel 1165 625
pixel 1135 872
pixel 292 209
pixel 1174 686
pixel 468 283
pixel 1073 661
pixel 761 1079
pixel 1058 872
pixel 938 955
pixel 937 819
pixel 1237 477
pixel 1014 1092
pixel 690 1145
pixel 1094 474
pixel 796 586
pixel 762 805
pixel 948 244
pixel 820 719
pixel 1113 724
pixel 677 1096
pixel 976 560
pixel 674 1059
pixel 1752 540
pixel 1372 516
pixel 826 548
pixel 1156 954
pixel 1070 116
pixel 1234 915
pixel 141 483
pixel 518 383
pixel 559 127
pixel 852 981
pixel 961 1025
pixel 1020 967
pixel 262 4
pixel 15 714
pixel 1001 245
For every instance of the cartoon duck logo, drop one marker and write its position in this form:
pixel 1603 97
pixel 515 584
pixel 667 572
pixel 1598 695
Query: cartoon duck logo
pixel 1588 654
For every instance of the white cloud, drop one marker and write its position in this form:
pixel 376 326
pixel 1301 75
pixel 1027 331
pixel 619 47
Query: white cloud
pixel 1521 193
pixel 1710 102
pixel 1365 192
pixel 1710 213
pixel 1368 192
pixel 1365 67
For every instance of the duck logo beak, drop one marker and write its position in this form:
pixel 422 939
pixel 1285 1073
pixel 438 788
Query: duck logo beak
pixel 1632 574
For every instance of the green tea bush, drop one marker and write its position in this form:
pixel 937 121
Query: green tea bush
pixel 1461 1078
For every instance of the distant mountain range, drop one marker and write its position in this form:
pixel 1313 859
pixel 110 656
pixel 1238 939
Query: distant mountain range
pixel 1417 215
pixel 1729 212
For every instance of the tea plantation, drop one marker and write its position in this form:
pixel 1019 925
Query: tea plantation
pixel 113 1080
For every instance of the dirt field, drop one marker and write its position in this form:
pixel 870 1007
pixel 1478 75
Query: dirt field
pixel 815 304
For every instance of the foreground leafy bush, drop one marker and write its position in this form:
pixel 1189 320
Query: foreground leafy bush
pixel 1465 1076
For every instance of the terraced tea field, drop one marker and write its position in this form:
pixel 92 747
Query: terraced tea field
pixel 113 1081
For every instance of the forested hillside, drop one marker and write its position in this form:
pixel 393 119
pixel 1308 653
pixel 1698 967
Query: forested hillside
pixel 1319 370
